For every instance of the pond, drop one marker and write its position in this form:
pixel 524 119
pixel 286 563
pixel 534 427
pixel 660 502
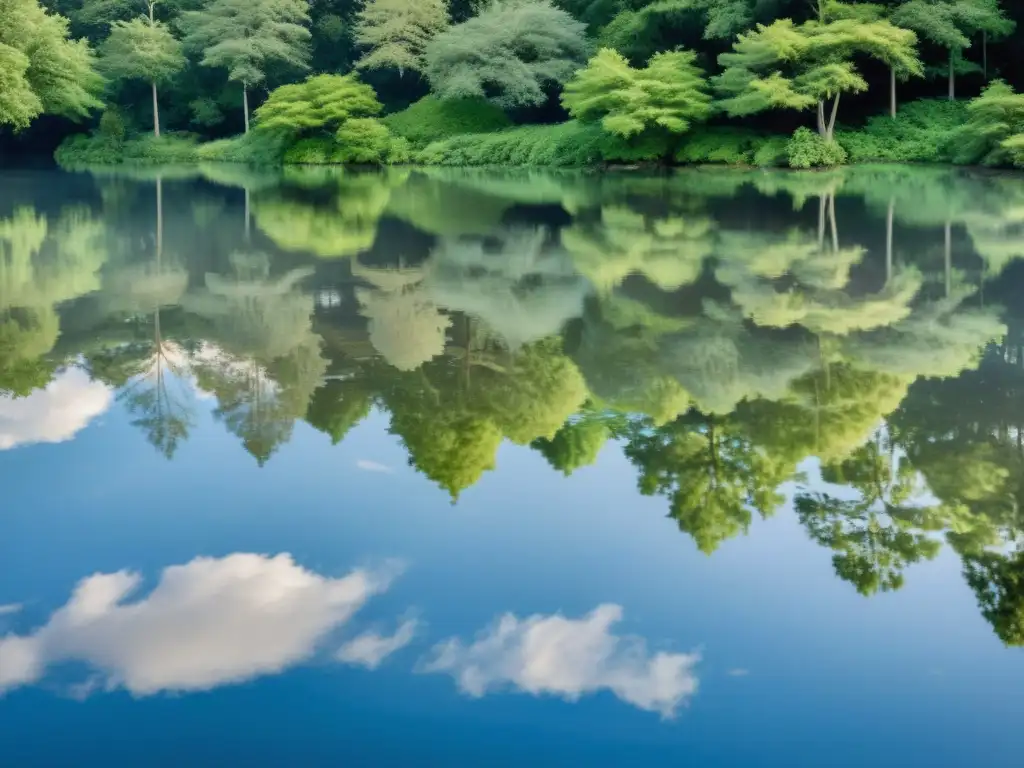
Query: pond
pixel 435 467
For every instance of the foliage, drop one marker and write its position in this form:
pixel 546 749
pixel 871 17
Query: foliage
pixel 321 103
pixel 923 132
pixel 255 148
pixel 510 54
pixel 809 150
pixel 141 49
pixel 80 150
pixel 995 126
pixel 433 119
pixel 575 445
pixel 731 146
pixel 397 32
pixel 41 69
pixel 998 582
pixel 668 94
pixel 785 66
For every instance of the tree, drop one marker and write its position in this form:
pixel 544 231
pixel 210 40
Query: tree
pixel 245 37
pixel 322 103
pixel 950 24
pixel 41 69
pixel 670 93
pixel 510 54
pixel 994 133
pixel 576 444
pixel 713 476
pixel 397 32
pixel 786 66
pixel 144 49
pixel 998 582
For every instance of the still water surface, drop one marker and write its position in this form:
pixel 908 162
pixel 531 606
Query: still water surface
pixel 719 468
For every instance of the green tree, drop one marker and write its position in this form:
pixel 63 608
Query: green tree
pixel 319 104
pixel 397 32
pixel 41 69
pixel 338 406
pixel 669 94
pixel 712 474
pixel 994 134
pixel 246 37
pixel 143 49
pixel 510 54
pixel 950 24
pixel 576 444
pixel 998 582
pixel 786 66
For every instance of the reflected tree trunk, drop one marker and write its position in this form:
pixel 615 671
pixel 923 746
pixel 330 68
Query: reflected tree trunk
pixel 888 239
pixel 248 218
pixel 949 257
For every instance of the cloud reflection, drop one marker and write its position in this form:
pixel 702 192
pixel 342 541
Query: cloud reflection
pixel 209 622
pixel 568 658
pixel 370 649
pixel 55 413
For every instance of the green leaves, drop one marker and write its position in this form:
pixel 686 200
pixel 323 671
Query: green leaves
pixel 510 54
pixel 669 93
pixel 245 36
pixel 140 49
pixel 397 32
pixel 41 70
pixel 322 102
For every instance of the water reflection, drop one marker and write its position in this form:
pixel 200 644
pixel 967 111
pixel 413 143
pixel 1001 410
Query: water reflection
pixel 720 329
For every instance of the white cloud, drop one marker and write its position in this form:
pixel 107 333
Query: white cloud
pixel 738 672
pixel 55 413
pixel 209 622
pixel 568 658
pixel 7 610
pixel 370 649
pixel 373 466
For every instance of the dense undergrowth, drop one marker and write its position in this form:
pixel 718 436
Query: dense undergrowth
pixel 474 133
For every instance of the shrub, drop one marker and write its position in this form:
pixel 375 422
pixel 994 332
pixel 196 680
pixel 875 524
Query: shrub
pixel 993 130
pixel 363 140
pixel 112 126
pixel 809 150
pixel 772 152
pixel 433 119
pixel 921 132
pixel 142 150
pixel 254 148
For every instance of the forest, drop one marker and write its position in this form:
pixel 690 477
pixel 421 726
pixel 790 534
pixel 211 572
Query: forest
pixel 797 83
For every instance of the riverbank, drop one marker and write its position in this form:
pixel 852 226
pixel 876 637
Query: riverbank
pixel 926 131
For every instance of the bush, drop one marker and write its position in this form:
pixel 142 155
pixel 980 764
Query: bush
pixel 569 144
pixel 141 150
pixel 772 152
pixel 431 119
pixel 993 130
pixel 361 140
pixel 254 148
pixel 922 132
pixel 809 150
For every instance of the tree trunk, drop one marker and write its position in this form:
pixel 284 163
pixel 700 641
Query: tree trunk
pixel 821 119
pixel 984 54
pixel 888 240
pixel 892 92
pixel 156 113
pixel 952 78
pixel 832 119
pixel 832 221
pixel 245 105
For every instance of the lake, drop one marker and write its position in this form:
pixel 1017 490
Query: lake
pixel 462 468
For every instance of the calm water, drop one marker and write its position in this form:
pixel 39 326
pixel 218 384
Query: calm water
pixel 461 469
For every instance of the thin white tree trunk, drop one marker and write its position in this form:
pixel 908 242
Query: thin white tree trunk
pixel 821 119
pixel 892 92
pixel 952 78
pixel 832 119
pixel 156 113
pixel 245 105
